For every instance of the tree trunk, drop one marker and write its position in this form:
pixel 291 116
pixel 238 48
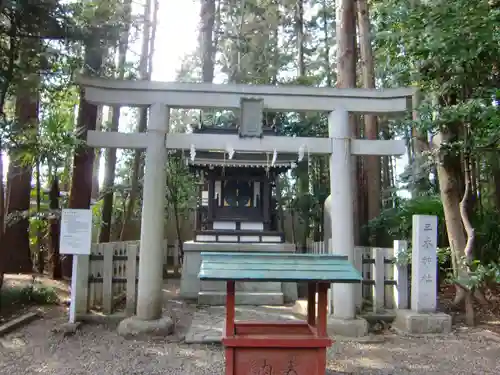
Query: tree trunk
pixel 178 230
pixel 469 245
pixel 97 157
pixel 83 160
pixel 276 54
pixel 152 37
pixel 474 180
pixel 65 177
pixel 450 196
pixel 346 78
pixel 207 16
pixel 16 241
pixel 495 165
pixel 419 146
pixel 3 256
pixel 299 32
pixel 110 153
pixel 55 269
pixel 294 227
pixel 135 176
pixel 281 212
pixel 326 41
pixel 40 258
pixel 145 74
pixel 371 163
pixel 303 178
pixel 236 74
pixel 2 196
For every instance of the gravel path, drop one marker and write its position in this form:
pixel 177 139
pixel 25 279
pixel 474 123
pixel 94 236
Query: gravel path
pixel 97 349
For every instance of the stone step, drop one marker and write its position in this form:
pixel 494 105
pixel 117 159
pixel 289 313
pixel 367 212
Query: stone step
pixel 241 286
pixel 242 298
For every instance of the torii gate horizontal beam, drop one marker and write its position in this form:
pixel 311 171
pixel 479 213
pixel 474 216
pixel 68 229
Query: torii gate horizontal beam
pixel 280 98
pixel 100 139
pixel 214 142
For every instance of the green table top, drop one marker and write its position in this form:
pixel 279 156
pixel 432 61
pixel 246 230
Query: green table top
pixel 261 266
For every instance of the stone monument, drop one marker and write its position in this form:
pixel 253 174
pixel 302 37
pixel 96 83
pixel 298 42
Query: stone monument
pixel 423 317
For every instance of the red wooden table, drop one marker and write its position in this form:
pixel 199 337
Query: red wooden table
pixel 281 347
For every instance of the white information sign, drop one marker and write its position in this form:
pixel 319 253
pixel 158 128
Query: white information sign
pixel 424 264
pixel 76 231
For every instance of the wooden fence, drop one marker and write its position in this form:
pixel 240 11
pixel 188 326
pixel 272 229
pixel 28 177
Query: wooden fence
pixel 385 282
pixel 109 276
pixel 113 270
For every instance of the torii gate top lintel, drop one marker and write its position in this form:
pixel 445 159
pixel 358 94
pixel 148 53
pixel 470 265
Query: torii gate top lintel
pixel 208 95
pixel 160 96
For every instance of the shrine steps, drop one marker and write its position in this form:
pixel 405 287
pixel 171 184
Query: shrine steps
pixel 247 293
pixel 215 298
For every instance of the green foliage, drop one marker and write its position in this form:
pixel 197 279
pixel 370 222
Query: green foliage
pixel 397 221
pixel 25 24
pixel 28 295
pixel 37 225
pixel 449 50
pixel 487 243
pixel 480 276
pixel 48 144
pixel 181 191
pixel 443 260
pixel 53 139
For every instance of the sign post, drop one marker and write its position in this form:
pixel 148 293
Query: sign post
pixel 76 240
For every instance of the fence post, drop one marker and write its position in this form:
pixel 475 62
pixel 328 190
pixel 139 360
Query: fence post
pixel 107 278
pixel 379 278
pixel 165 255
pixel 358 290
pixel 366 255
pixel 329 294
pixel 81 292
pixel 401 276
pixel 176 257
pixel 165 258
pixel 389 275
pixel 132 252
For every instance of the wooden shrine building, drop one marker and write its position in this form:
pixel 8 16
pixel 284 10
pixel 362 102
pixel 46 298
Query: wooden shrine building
pixel 238 193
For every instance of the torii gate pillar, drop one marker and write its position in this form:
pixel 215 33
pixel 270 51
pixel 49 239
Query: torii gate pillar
pixel 148 318
pixel 342 224
pixel 149 298
pixel 343 319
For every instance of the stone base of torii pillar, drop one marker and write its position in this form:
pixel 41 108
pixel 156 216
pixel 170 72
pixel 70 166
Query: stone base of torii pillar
pixel 353 326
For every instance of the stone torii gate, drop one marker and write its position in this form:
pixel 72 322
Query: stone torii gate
pixel 160 97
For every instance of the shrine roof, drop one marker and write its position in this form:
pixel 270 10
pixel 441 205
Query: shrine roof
pixel 258 266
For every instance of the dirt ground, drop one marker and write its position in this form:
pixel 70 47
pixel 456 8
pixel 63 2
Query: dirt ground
pixel 487 317
pixel 97 349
